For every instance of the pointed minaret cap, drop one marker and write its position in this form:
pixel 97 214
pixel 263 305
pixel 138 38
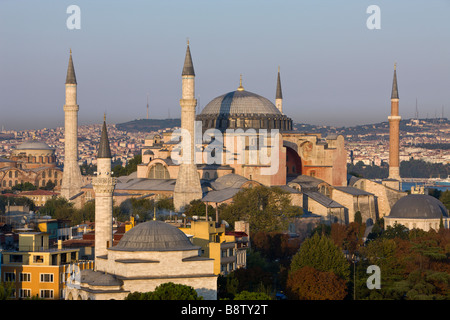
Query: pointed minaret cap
pixel 188 68
pixel 104 150
pixel 394 94
pixel 279 94
pixel 70 78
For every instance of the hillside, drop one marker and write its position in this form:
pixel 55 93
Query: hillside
pixel 148 125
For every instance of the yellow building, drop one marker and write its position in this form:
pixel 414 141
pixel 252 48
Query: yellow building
pixel 228 255
pixel 38 270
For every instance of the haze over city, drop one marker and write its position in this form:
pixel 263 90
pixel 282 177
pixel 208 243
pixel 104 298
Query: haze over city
pixel 334 69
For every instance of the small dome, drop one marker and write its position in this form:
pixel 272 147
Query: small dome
pixel 154 236
pixel 418 206
pixel 149 152
pixel 33 145
pixel 230 180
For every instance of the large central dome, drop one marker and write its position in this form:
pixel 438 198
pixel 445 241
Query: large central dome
pixel 240 102
pixel 243 109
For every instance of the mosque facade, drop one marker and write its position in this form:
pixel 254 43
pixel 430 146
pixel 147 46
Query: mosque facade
pixel 33 162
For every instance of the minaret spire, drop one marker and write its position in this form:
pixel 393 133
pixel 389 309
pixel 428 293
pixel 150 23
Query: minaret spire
pixel 103 184
pixel 72 180
pixel 71 78
pixel 394 135
pixel 394 94
pixel 279 94
pixel 104 150
pixel 188 67
pixel 187 186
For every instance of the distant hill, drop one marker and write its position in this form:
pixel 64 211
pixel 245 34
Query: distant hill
pixel 148 125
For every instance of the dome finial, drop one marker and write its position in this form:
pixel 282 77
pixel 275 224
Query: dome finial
pixel 241 88
pixel 395 65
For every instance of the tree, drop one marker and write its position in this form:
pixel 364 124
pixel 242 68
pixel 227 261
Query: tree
pixel 198 208
pixel 358 217
pixel 308 283
pixel 6 290
pixel 445 199
pixel 167 291
pixel 322 254
pixel 131 167
pixel 87 212
pixel 26 186
pixel 246 295
pixel 49 186
pixel 265 208
pixel 396 231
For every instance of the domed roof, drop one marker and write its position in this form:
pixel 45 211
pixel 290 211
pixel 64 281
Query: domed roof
pixel 418 206
pixel 240 102
pixel 33 145
pixel 230 180
pixel 154 236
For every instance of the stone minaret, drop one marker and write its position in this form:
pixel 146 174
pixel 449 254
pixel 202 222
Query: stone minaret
pixel 103 185
pixel 72 181
pixel 279 94
pixel 187 187
pixel 394 132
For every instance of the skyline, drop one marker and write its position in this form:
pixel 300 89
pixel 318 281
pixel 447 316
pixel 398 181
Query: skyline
pixel 334 70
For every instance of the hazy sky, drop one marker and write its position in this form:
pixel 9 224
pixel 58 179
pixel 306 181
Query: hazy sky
pixel 334 69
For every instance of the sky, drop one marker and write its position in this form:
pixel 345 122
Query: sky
pixel 334 69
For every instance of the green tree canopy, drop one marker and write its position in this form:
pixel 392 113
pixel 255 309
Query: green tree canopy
pixel 167 291
pixel 321 253
pixel 246 295
pixel 265 208
pixel 131 167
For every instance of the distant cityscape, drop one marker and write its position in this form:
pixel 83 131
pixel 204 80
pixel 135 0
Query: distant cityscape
pixel 367 143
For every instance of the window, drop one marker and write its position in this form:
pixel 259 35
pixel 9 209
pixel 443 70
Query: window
pixel 46 277
pixel 15 258
pixel 46 294
pixel 38 259
pixel 158 171
pixel 25 277
pixel 9 277
pixel 24 293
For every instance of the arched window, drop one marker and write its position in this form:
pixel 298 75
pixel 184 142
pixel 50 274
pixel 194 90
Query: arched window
pixel 158 171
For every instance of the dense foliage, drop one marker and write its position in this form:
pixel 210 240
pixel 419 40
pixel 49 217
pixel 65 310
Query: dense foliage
pixel 266 209
pixel 167 291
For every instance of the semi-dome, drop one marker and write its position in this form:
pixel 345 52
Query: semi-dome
pixel 418 206
pixel 154 236
pixel 33 145
pixel 243 109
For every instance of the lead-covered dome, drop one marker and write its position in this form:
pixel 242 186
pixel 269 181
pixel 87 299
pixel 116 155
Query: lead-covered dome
pixel 154 236
pixel 33 145
pixel 243 109
pixel 418 206
pixel 240 102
